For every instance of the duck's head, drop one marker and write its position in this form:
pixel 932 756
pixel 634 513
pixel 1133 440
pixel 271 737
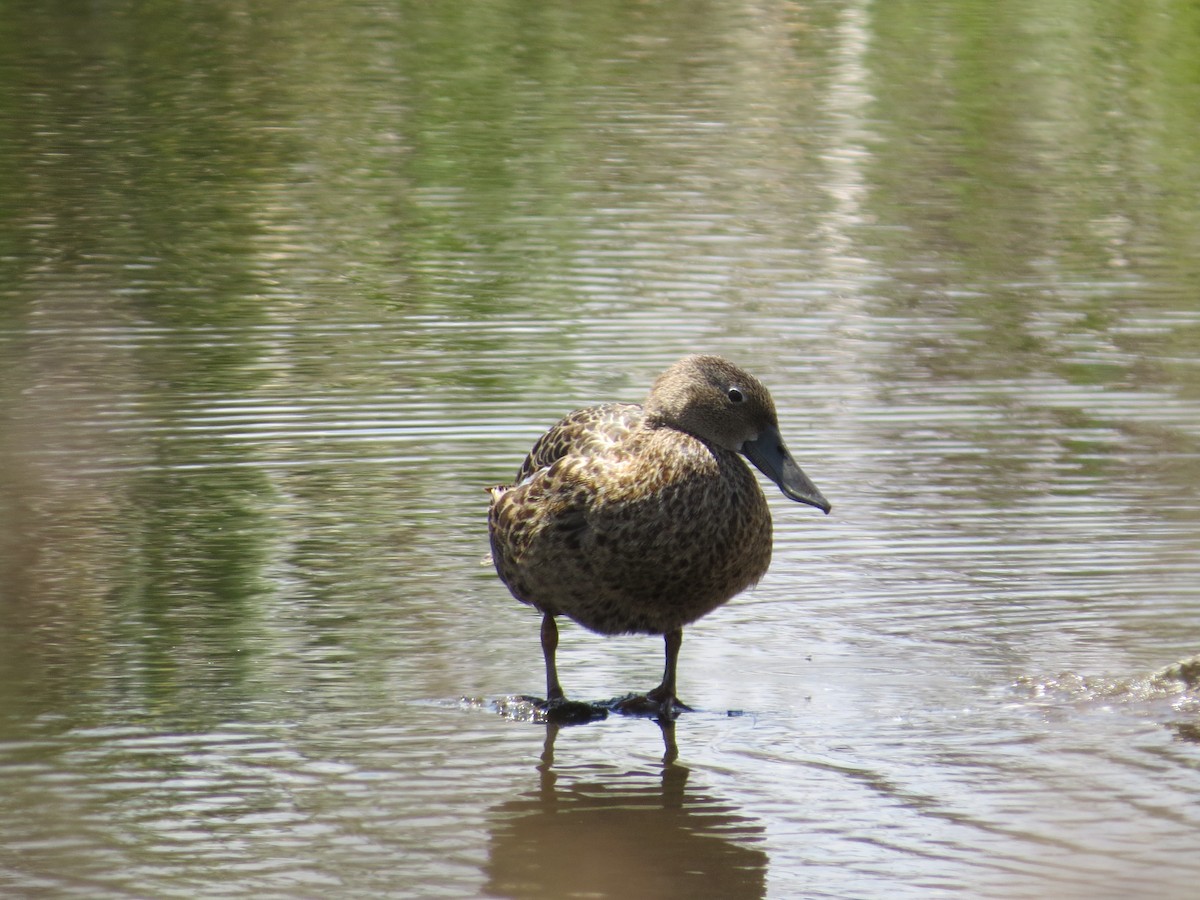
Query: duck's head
pixel 714 400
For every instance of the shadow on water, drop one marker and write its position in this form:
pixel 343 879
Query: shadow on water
pixel 583 832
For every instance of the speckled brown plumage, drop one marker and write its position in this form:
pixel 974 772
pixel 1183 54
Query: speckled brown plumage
pixel 629 518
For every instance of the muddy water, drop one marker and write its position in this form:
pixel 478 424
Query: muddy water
pixel 282 292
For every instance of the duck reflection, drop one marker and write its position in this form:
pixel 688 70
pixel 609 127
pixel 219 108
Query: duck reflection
pixel 627 835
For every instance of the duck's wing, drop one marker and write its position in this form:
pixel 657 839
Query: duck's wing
pixel 543 516
pixel 585 432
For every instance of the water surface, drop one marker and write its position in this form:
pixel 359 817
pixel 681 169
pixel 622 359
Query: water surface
pixel 283 289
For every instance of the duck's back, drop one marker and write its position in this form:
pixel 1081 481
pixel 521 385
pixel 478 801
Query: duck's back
pixel 592 431
pixel 625 527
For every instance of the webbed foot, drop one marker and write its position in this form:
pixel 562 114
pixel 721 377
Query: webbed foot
pixel 650 705
pixel 561 711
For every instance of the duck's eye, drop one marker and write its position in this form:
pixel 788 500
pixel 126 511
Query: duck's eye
pixel 735 395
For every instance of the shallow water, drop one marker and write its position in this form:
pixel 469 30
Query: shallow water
pixel 284 289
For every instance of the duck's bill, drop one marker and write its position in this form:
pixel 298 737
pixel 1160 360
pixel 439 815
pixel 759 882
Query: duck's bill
pixel 771 457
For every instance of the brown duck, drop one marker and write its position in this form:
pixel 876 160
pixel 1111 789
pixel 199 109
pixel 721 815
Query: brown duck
pixel 642 519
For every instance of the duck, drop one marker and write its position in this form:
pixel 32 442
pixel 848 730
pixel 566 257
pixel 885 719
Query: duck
pixel 632 518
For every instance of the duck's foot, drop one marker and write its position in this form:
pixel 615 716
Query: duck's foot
pixel 571 712
pixel 648 705
pixel 560 710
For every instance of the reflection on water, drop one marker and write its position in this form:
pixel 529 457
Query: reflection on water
pixel 604 832
pixel 281 291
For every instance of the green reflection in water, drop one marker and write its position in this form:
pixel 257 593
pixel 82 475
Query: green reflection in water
pixel 191 620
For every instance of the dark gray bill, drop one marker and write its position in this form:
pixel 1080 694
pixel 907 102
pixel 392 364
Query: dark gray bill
pixel 774 461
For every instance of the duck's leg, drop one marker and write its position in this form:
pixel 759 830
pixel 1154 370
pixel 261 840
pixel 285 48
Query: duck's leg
pixel 664 694
pixel 557 709
pixel 554 690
